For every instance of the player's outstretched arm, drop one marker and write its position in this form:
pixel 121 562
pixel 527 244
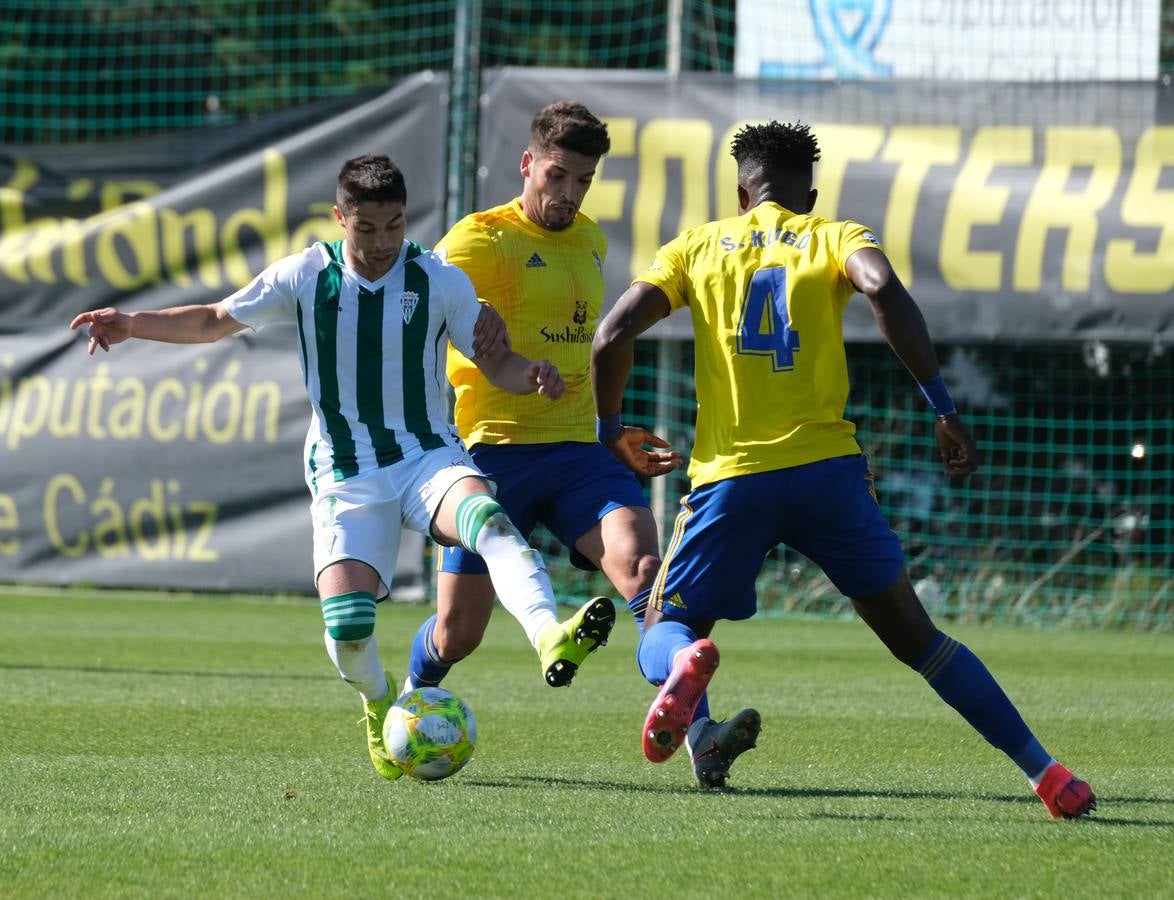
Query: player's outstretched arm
pixel 640 307
pixel 516 374
pixel 896 314
pixel 195 324
pixel 903 327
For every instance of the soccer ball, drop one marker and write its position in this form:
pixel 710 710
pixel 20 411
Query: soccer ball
pixel 430 733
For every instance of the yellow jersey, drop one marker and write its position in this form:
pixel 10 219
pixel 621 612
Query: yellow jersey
pixel 767 292
pixel 548 286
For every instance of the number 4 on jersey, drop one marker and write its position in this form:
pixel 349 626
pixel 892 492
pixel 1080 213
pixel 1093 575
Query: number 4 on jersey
pixel 764 328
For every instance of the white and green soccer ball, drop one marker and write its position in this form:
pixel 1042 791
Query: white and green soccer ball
pixel 430 733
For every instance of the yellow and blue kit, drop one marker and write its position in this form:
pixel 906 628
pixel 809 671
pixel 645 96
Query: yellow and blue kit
pixel 543 456
pixel 767 291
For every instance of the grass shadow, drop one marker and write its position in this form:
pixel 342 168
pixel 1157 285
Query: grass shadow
pixel 184 673
pixel 831 794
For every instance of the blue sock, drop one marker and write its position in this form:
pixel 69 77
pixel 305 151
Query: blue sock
pixel 638 605
pixel 964 683
pixel 658 645
pixel 425 667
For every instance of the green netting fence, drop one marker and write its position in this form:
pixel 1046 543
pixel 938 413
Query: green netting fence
pixel 1070 519
pixel 79 70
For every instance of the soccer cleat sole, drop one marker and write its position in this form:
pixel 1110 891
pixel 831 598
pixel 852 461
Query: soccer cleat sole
pixel 671 712
pixel 596 621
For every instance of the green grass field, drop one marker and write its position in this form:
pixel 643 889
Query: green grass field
pixel 196 746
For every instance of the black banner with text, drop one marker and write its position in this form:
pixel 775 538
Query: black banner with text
pixel 177 465
pixel 1014 212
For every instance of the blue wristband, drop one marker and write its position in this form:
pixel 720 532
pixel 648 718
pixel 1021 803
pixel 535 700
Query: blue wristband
pixel 939 397
pixel 608 429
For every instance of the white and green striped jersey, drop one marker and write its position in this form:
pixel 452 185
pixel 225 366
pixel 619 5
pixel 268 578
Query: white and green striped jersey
pixel 372 352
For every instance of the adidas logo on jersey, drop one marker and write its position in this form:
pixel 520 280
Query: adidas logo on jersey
pixel 535 262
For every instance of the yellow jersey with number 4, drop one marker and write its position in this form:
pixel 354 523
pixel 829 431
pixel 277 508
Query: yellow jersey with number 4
pixel 767 292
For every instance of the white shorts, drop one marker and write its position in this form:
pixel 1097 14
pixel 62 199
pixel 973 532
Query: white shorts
pixel 361 517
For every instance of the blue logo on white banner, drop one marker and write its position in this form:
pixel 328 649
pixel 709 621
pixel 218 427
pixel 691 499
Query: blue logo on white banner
pixel 848 32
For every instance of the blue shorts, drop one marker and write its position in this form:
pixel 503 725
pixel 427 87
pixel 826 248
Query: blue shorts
pixel 567 487
pixel 826 510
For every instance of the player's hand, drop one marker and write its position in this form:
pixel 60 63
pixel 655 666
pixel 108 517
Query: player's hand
pixel 490 336
pixel 628 448
pixel 545 376
pixel 108 326
pixel 956 446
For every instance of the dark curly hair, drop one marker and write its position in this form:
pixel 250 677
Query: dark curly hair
pixel 775 147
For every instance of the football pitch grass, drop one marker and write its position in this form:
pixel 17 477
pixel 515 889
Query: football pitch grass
pixel 159 745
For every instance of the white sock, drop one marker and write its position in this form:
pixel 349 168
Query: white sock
pixel 358 664
pixel 518 574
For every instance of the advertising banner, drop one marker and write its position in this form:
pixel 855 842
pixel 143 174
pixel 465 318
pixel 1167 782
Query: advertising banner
pixel 1013 212
pixel 947 40
pixel 177 465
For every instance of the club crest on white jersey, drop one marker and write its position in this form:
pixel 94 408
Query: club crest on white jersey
pixel 409 300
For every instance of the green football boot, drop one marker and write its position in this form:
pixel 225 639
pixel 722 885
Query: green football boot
pixel 376 712
pixel 562 646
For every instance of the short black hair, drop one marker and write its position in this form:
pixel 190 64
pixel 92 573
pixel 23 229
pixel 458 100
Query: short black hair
pixel 372 178
pixel 571 126
pixel 775 148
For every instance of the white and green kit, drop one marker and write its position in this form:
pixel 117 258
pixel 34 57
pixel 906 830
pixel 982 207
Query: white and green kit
pixel 380 450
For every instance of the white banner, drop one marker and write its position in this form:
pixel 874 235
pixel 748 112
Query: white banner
pixel 964 40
